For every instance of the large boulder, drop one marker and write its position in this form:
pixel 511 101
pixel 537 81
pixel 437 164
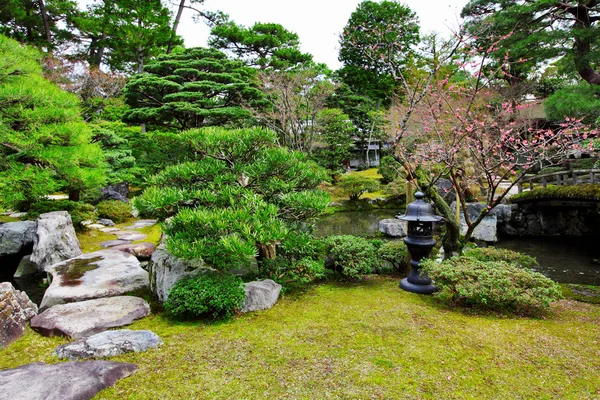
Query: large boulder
pixel 119 192
pixel 166 270
pixel 64 381
pixel 109 344
pixel 393 227
pixel 77 320
pixel 486 231
pixel 15 310
pixel 260 295
pixel 104 273
pixel 16 237
pixel 54 240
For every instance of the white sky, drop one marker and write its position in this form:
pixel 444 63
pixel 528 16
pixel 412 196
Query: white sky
pixel 318 23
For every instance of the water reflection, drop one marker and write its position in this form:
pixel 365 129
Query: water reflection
pixel 357 223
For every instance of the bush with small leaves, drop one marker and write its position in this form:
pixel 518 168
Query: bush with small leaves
pixel 492 285
pixel 396 253
pixel 390 169
pixel 355 186
pixel 351 256
pixel 287 272
pixel 115 210
pixel 495 254
pixel 209 295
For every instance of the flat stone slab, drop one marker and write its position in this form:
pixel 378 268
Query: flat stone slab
pixel 112 243
pixel 104 273
pixel 130 235
pixel 142 223
pixel 84 318
pixel 109 230
pixel 95 226
pixel 17 215
pixel 143 251
pixel 64 381
pixel 109 344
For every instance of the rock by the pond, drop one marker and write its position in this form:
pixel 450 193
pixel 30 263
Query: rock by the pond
pixel 393 227
pixel 64 381
pixel 260 295
pixel 88 317
pixel 54 240
pixel 105 222
pixel 130 235
pixel 95 226
pixel 16 236
pixel 486 231
pixel 109 344
pixel 95 275
pixel 166 270
pixel 109 230
pixel 15 310
pixel 143 251
pixel 112 243
pixel 26 267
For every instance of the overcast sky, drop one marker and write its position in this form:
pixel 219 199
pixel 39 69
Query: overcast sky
pixel 317 22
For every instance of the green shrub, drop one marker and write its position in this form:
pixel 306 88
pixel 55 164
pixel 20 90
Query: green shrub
pixel 586 191
pixel 355 186
pixel 492 285
pixel 210 295
pixel 351 256
pixel 78 211
pixel 396 253
pixel 286 271
pixel 508 256
pixel 390 169
pixel 115 210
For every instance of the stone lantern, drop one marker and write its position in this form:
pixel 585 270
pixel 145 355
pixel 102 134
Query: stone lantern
pixel 420 242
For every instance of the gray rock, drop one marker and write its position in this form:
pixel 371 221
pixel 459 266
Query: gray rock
pixel 130 235
pixel 15 310
pixel 109 230
pixel 95 226
pixel 106 222
pixel 95 275
pixel 143 251
pixel 17 215
pixel 142 223
pixel 166 270
pixel 55 240
pixel 16 236
pixel 26 267
pixel 118 192
pixel 109 344
pixel 87 222
pixel 86 318
pixel 64 381
pixel 112 243
pixel 260 295
pixel 486 231
pixel 446 189
pixel 393 227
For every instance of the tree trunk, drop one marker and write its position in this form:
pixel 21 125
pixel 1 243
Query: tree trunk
pixel 74 194
pixel 47 31
pixel 583 47
pixel 175 25
pixel 266 251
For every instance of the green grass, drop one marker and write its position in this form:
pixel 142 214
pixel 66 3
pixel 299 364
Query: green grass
pixel 585 191
pixel 359 341
pixel 90 239
pixel 6 218
pixel 368 173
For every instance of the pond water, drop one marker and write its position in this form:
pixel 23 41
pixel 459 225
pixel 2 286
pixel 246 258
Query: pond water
pixel 564 259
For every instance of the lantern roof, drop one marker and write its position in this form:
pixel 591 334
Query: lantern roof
pixel 420 211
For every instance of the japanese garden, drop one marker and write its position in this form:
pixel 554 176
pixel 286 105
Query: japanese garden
pixel 242 220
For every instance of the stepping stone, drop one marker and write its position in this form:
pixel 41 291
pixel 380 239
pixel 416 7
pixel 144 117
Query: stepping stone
pixel 95 226
pixel 130 235
pixel 106 222
pixel 95 275
pixel 143 251
pixel 84 318
pixel 142 223
pixel 17 215
pixel 109 230
pixel 64 381
pixel 111 243
pixel 109 344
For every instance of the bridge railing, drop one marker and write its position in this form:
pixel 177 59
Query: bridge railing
pixel 561 178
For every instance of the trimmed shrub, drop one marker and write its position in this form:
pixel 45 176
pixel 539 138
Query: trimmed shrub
pixel 390 169
pixel 396 253
pixel 210 295
pixel 508 256
pixel 285 271
pixel 78 211
pixel 351 256
pixel 115 210
pixel 355 186
pixel 492 285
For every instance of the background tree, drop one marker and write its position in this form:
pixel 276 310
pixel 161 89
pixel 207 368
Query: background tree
pixel 540 30
pixel 197 87
pixel 44 144
pixel 239 196
pixel 263 45
pixel 335 143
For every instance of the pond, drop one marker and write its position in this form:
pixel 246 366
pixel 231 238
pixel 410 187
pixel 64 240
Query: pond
pixel 564 259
